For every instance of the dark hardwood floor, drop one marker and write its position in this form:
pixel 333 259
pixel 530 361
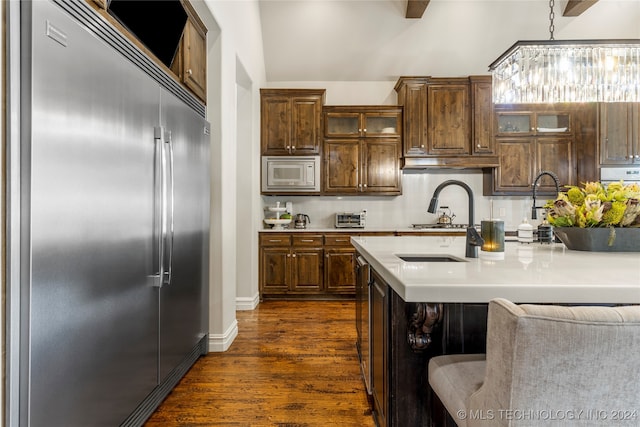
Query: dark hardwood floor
pixel 293 364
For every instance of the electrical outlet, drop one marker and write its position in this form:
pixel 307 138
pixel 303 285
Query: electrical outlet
pixel 502 213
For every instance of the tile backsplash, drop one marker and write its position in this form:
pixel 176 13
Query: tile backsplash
pixel 411 207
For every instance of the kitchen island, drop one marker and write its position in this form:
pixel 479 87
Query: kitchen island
pixel 417 310
pixel 534 272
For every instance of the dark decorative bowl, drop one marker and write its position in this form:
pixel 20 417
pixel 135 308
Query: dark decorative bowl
pixel 610 239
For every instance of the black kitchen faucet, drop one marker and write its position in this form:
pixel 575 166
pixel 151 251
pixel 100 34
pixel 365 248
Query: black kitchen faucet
pixel 534 213
pixel 473 237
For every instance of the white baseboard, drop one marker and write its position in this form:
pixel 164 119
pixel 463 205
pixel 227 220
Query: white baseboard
pixel 248 303
pixel 222 342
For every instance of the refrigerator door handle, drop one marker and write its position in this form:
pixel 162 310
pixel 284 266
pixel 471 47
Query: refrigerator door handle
pixel 168 213
pixel 159 185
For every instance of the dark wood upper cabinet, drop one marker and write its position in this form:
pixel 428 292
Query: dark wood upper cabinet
pixel 437 117
pixel 194 57
pixel 619 133
pixel 189 65
pixel 448 117
pixel 342 160
pixel 412 95
pixel 481 115
pixel 448 122
pixel 530 139
pixel 291 121
pixel 362 150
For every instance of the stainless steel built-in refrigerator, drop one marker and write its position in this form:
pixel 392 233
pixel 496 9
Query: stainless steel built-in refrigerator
pixel 108 213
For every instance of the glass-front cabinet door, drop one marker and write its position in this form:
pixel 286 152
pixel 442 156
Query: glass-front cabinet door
pixel 381 124
pixel 531 123
pixel 342 125
pixel 516 123
pixel 553 123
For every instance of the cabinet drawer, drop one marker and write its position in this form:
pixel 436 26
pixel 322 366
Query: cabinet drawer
pixel 307 240
pixel 343 239
pixel 273 239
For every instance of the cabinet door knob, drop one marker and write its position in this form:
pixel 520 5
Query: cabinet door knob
pixel 189 71
pixel 293 147
pixel 294 255
pixel 365 185
pixel 478 146
pixel 288 255
pixel 422 146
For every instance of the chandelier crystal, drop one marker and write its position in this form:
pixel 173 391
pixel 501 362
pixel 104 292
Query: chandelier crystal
pixel 568 71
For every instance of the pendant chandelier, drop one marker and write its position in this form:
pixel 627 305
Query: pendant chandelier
pixel 567 71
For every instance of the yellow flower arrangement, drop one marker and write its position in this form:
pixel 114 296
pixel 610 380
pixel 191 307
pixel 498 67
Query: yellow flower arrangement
pixel 596 205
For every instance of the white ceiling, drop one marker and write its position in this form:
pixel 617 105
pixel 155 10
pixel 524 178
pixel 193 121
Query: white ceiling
pixel 371 40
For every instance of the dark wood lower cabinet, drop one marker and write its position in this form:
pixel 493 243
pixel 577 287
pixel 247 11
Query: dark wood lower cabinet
pixel 307 265
pixel 379 337
pixel 275 269
pixel 400 352
pixel 339 269
pixel 291 265
pixel 306 272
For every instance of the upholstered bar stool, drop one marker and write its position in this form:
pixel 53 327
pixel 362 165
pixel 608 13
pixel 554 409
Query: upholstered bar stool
pixel 546 365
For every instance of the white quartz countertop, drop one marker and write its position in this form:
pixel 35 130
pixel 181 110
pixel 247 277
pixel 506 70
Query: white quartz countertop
pixel 529 273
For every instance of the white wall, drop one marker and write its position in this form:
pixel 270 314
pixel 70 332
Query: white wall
pixel 247 294
pixel 349 93
pixel 235 69
pixel 402 211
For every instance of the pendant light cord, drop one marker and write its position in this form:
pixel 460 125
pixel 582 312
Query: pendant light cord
pixel 551 16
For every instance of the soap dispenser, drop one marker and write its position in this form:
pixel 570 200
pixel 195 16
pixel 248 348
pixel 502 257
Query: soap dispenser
pixel 525 232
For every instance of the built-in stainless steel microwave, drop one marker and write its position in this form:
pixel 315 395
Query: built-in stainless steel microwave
pixel 285 174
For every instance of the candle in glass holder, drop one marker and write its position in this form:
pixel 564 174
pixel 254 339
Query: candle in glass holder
pixel 492 232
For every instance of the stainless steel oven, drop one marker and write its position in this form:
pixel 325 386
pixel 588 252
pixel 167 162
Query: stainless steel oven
pixel 616 173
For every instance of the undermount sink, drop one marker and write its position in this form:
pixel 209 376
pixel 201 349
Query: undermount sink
pixel 430 258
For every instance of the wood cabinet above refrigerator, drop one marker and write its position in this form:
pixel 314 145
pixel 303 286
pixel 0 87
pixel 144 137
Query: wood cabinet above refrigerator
pixel 188 63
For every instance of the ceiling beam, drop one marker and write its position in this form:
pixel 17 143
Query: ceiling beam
pixel 576 7
pixel 415 8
